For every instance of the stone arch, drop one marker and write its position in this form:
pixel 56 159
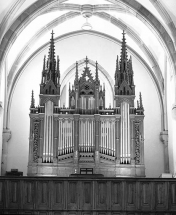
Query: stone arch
pixel 133 7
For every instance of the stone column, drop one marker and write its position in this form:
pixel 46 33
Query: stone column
pixel 164 139
pixel 6 137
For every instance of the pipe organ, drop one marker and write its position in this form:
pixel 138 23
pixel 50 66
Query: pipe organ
pixel 86 134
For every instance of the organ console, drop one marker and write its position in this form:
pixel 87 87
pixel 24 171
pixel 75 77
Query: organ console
pixel 86 134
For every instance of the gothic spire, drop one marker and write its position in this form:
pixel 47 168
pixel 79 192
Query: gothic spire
pixel 51 63
pixel 96 73
pixel 123 57
pixel 32 100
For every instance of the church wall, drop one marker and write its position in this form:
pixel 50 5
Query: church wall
pixel 171 120
pixel 70 50
pixel 2 84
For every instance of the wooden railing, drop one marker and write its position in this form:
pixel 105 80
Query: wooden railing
pixel 87 195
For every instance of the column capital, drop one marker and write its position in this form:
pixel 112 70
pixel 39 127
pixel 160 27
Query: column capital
pixel 6 135
pixel 164 136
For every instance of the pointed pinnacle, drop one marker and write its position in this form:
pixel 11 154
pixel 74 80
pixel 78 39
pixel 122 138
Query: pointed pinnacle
pixel 137 104
pixel 51 54
pixel 32 100
pixel 86 61
pixel 76 74
pixel 96 74
pixel 44 62
pixel 103 86
pixel 123 57
pixel 117 67
pixel 58 65
pixel 140 99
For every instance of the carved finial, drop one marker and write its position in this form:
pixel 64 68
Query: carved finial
pixel 32 100
pixel 86 61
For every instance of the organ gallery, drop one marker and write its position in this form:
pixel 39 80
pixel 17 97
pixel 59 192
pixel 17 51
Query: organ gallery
pixel 87 135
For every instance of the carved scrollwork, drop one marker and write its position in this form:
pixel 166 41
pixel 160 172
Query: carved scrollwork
pixel 137 142
pixel 36 141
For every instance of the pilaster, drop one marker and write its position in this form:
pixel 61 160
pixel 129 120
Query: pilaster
pixel 6 137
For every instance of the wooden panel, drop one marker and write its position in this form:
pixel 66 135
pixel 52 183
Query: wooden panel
pixel 13 194
pixel 58 195
pixel 161 196
pixel 77 196
pixel 101 195
pixel 28 195
pixel 86 195
pixel 116 195
pixel 172 196
pixel 146 196
pixel 72 195
pixel 1 194
pixel 130 195
pixel 43 194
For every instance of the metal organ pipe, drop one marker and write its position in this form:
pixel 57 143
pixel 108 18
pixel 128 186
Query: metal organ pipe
pixel 48 137
pixel 125 134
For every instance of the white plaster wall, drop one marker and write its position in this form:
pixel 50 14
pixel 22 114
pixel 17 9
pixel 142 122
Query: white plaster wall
pixel 70 50
pixel 171 121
